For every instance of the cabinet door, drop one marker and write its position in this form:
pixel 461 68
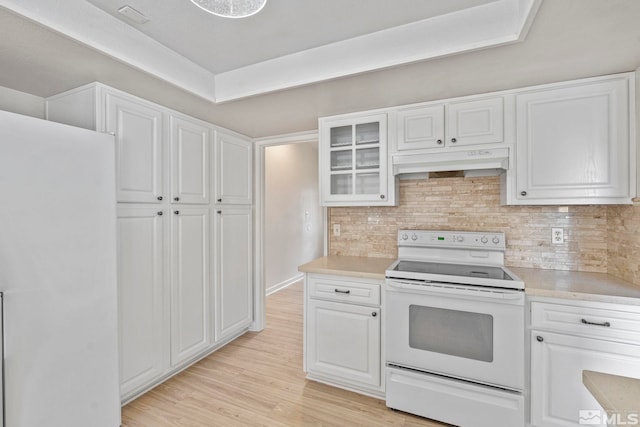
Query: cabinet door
pixel 475 122
pixel 353 162
pixel 234 281
pixel 557 391
pixel 138 130
pixel 343 341
pixel 190 297
pixel 189 161
pixel 420 128
pixel 573 144
pixel 141 317
pixel 233 170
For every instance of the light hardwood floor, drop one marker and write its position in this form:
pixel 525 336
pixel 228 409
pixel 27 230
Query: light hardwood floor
pixel 257 380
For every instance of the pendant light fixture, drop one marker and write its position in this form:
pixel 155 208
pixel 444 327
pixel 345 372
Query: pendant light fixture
pixel 231 8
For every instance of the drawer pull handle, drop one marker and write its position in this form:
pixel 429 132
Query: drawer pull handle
pixel 338 291
pixel 586 322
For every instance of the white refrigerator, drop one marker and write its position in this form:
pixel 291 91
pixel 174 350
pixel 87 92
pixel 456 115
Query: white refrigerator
pixel 58 275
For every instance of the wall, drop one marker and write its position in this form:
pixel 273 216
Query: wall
pixel 293 216
pixel 21 103
pixel 471 204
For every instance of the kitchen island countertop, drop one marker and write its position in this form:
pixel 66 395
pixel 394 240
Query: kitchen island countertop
pixel 616 394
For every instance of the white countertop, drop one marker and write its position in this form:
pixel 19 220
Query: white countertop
pixel 364 267
pixel 578 285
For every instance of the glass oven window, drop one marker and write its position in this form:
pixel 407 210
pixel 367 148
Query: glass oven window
pixel 456 333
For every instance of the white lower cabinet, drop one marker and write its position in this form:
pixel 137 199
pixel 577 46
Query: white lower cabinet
pixel 569 339
pixel 190 284
pixel 234 266
pixel 343 334
pixel 344 341
pixel 142 319
pixel 173 309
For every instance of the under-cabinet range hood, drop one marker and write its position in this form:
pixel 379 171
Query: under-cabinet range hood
pixel 484 162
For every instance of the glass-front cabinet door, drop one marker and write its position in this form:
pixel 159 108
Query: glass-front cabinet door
pixel 353 161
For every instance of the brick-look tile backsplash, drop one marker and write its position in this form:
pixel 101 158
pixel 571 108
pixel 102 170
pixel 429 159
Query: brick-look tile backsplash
pixel 623 225
pixel 473 204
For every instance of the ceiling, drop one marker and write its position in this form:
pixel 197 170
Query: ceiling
pixel 283 27
pixel 289 43
pixel 568 39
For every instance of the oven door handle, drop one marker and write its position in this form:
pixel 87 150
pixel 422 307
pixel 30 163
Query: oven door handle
pixel 453 290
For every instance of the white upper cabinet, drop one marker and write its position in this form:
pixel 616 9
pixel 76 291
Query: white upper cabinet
pixel 161 154
pixel 354 162
pixel 453 124
pixel 137 126
pixel 234 167
pixel 190 141
pixel 574 144
pixel 420 128
pixel 475 122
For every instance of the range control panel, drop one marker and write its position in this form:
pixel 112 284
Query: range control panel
pixel 452 239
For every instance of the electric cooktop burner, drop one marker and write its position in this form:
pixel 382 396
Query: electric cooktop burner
pixel 460 257
pixel 480 271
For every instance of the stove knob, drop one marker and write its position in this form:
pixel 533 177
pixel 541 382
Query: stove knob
pixel 460 238
pixel 495 240
pixel 414 237
pixel 405 236
pixel 484 239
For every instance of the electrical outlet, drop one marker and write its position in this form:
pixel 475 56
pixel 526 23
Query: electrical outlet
pixel 557 236
pixel 336 230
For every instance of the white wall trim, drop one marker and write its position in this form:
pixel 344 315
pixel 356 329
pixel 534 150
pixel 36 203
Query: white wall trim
pixel 282 285
pixel 259 321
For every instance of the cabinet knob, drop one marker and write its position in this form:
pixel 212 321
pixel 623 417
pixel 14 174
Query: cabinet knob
pixel 219 212
pixel 160 213
pixel 523 193
pixel 374 314
pixel 453 140
pixel 159 197
pixel 382 196
pixel 439 142
pixel 177 199
pixel 176 212
pixel 539 338
pixel 219 200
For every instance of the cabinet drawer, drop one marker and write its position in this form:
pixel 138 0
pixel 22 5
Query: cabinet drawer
pixel 622 324
pixel 344 291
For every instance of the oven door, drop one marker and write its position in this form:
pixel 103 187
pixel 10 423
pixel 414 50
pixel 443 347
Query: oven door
pixel 461 331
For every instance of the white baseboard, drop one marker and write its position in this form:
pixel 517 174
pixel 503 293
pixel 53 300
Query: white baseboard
pixel 279 286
